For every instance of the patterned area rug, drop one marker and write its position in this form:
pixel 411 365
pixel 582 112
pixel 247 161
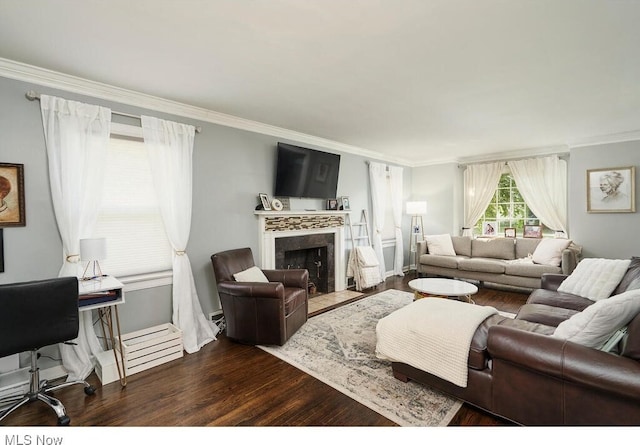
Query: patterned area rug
pixel 338 348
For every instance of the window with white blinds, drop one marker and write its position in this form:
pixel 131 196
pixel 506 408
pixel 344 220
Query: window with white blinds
pixel 130 218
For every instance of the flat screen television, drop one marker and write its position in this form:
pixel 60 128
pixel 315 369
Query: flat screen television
pixel 306 173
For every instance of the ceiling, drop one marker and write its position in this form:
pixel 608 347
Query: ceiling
pixel 420 81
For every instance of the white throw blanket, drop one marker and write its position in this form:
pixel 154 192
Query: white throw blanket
pixel 364 267
pixel 595 278
pixel 432 334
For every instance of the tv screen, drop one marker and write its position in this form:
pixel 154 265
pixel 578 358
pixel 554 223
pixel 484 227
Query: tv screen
pixel 306 173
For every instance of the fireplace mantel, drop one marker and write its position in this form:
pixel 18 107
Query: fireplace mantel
pixel 278 224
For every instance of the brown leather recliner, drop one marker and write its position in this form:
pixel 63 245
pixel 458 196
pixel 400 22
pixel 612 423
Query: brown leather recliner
pixel 260 313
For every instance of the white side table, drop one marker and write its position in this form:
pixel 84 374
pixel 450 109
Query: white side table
pixel 106 287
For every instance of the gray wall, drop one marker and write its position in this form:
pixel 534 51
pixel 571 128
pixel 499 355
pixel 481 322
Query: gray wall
pixel 603 235
pixel 441 186
pixel 230 168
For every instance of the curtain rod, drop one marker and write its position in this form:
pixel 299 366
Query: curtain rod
pixel 32 95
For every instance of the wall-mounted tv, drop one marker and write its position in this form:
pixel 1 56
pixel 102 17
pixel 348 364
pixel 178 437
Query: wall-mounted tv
pixel 306 173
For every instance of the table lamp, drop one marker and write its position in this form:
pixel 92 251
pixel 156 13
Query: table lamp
pixel 92 250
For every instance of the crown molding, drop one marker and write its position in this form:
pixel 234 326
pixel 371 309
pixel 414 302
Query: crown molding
pixel 606 139
pixel 53 79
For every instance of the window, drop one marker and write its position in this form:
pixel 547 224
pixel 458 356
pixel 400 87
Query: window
pixel 508 209
pixel 130 217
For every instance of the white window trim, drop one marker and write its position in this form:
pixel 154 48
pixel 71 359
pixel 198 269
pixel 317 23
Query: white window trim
pixel 146 280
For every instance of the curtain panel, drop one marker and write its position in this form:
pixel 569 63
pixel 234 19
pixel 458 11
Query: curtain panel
pixel 480 183
pixel 76 138
pixel 170 149
pixel 395 178
pixel 378 180
pixel 542 182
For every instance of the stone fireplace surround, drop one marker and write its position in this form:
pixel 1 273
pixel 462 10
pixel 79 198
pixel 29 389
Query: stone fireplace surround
pixel 304 228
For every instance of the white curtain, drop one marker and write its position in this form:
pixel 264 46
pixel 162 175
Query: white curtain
pixel 543 185
pixel 378 179
pixel 77 137
pixel 480 182
pixel 170 149
pixel 395 177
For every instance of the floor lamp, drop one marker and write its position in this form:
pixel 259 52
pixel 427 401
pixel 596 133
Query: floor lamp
pixel 416 209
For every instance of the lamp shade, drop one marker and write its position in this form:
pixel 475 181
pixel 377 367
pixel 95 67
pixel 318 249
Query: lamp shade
pixel 92 249
pixel 416 207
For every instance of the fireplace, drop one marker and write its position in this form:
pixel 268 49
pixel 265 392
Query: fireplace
pixel 313 240
pixel 312 252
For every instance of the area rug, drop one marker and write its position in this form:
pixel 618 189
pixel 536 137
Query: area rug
pixel 338 348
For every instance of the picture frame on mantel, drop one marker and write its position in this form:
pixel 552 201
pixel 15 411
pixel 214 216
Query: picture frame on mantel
pixel 264 200
pixel 12 213
pixel 611 190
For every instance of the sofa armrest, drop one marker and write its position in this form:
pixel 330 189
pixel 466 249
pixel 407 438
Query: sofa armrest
pixel 289 277
pixel 565 360
pixel 552 281
pixel 569 260
pixel 422 248
pixel 251 289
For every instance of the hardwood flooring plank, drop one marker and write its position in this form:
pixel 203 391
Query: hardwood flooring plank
pixel 230 384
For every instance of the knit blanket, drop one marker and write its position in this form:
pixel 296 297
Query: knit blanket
pixel 595 278
pixel 432 334
pixel 363 266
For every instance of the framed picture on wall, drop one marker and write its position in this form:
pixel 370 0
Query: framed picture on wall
pixel 611 190
pixel 12 195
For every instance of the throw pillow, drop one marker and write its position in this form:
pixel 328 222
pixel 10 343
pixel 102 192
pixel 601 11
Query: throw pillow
pixel 440 245
pixel 593 326
pixel 252 274
pixel 595 278
pixel 549 251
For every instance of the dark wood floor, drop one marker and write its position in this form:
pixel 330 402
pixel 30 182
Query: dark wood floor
pixel 226 383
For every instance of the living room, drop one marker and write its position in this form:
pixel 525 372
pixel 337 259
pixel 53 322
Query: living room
pixel 234 161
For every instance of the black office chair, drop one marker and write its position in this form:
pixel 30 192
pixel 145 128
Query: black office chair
pixel 33 315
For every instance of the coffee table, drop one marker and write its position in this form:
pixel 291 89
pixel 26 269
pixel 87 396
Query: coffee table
pixel 444 288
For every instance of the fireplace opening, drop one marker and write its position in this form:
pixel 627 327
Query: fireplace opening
pixel 315 261
pixel 312 252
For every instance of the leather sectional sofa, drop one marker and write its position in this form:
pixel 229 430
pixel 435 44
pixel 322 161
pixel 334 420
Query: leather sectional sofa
pixel 519 371
pixel 497 260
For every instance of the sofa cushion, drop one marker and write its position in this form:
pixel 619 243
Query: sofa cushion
pixel 440 260
pixel 481 265
pixel 526 246
pixel 595 278
pixel 631 279
pixel 462 245
pixel 502 248
pixel 251 275
pixel 440 245
pixel 593 326
pixel 549 251
pixel 528 269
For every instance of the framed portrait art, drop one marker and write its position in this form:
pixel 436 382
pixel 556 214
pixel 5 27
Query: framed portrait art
pixel 12 195
pixel 611 190
pixel 510 232
pixel 264 201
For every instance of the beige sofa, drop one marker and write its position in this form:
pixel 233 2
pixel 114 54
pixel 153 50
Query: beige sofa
pixel 508 261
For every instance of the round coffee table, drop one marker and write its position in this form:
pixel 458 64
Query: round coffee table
pixel 444 288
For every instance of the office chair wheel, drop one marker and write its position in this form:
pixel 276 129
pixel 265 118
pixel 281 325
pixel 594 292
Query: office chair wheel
pixel 89 390
pixel 64 420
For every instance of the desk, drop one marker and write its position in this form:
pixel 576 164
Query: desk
pixel 107 312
